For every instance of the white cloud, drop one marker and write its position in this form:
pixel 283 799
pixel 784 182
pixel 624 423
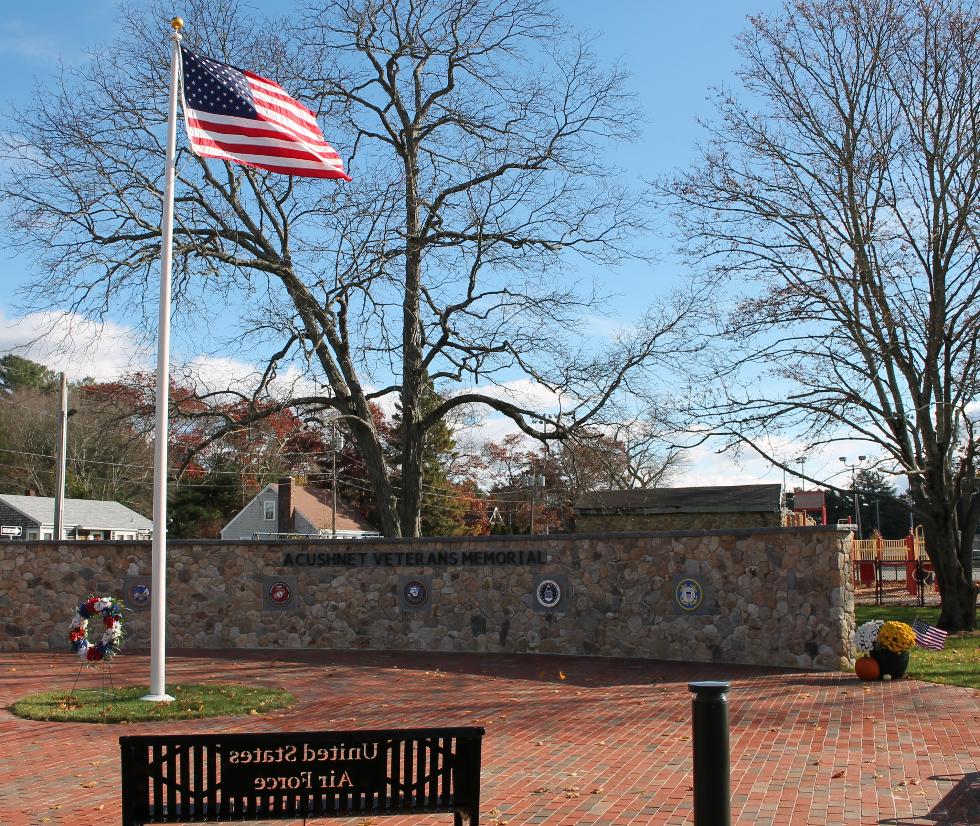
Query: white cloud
pixel 611 329
pixel 522 392
pixel 706 466
pixel 70 343
pixel 105 351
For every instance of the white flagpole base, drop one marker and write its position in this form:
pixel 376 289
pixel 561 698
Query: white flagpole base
pixel 158 698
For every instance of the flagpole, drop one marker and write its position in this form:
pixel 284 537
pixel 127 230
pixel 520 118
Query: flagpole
pixel 158 585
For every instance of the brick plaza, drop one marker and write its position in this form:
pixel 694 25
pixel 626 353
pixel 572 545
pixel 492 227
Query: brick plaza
pixel 570 740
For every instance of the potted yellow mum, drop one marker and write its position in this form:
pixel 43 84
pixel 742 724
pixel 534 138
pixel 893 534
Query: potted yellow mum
pixel 891 649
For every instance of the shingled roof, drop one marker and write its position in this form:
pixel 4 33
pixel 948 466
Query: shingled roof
pixel 712 499
pixel 95 514
pixel 316 505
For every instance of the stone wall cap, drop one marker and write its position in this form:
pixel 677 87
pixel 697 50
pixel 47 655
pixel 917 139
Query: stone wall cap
pixel 500 539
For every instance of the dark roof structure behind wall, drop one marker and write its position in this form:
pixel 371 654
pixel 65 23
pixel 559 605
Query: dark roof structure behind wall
pixel 710 499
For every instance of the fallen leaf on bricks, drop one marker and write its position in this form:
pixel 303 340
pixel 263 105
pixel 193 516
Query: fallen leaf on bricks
pixel 90 785
pixel 598 790
pixel 539 790
pixel 571 788
pixel 539 742
pixel 494 811
pixel 837 774
pixel 571 795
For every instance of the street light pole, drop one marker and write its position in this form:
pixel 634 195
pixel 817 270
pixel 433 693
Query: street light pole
pixel 857 509
pixel 802 461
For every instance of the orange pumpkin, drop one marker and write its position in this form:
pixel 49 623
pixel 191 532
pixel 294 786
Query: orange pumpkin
pixel 867 668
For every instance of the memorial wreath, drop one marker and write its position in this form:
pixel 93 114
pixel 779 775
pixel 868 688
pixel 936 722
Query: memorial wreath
pixel 111 611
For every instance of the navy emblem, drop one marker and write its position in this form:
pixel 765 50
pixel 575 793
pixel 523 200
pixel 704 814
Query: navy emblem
pixel 279 593
pixel 139 595
pixel 689 594
pixel 548 593
pixel 415 592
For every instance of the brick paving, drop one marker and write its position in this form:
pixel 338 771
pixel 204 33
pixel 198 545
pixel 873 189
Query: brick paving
pixel 596 742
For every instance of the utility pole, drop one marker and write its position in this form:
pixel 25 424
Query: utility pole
pixel 533 482
pixel 59 484
pixel 334 447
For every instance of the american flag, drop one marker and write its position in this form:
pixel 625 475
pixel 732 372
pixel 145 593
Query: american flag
pixel 928 637
pixel 238 116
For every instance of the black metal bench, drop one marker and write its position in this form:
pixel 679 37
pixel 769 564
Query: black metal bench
pixel 235 777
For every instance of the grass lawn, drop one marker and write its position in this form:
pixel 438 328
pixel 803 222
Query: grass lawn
pixel 123 705
pixel 957 664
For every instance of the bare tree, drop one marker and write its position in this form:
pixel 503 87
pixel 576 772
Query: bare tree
pixel 844 182
pixel 479 135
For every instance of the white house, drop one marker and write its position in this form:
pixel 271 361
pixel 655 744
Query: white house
pixel 32 517
pixel 284 509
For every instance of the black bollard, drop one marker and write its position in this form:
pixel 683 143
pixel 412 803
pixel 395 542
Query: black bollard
pixel 712 771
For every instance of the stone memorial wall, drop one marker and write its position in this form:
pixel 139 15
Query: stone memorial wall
pixel 763 596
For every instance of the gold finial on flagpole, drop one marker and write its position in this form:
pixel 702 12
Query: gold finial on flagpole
pixel 177 23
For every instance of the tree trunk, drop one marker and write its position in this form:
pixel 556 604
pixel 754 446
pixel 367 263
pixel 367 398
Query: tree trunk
pixel 374 461
pixel 412 340
pixel 411 499
pixel 385 499
pixel 950 555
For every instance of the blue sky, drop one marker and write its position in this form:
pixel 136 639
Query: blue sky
pixel 675 51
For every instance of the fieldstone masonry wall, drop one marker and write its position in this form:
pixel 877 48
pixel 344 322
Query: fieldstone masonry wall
pixel 767 596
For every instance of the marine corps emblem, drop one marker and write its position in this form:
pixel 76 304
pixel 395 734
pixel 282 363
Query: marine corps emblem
pixel 279 593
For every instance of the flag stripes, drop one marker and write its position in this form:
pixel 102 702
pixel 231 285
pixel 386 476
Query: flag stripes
pixel 927 636
pixel 235 115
